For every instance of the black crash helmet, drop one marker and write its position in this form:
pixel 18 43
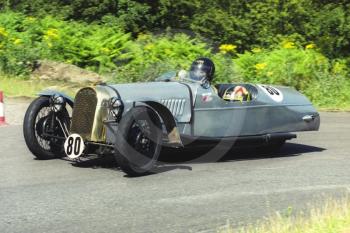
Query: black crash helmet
pixel 201 69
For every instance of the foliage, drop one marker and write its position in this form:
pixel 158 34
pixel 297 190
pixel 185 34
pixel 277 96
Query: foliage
pixel 153 55
pixel 101 48
pixel 16 50
pixel 105 48
pixel 26 39
pixel 325 82
pixel 286 66
pixel 247 24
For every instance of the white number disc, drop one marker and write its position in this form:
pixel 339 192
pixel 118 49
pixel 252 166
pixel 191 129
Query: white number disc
pixel 273 92
pixel 74 146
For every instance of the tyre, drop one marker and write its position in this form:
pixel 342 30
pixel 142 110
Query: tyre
pixel 138 142
pixel 36 128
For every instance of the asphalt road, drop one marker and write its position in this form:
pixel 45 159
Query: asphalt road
pixel 94 196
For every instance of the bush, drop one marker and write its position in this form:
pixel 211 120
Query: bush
pixel 108 50
pixel 23 40
pixel 245 23
pixel 154 55
pixel 325 82
pixel 286 66
pixel 17 50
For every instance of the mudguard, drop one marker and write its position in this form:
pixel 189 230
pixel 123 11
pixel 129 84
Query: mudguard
pixel 168 120
pixel 49 93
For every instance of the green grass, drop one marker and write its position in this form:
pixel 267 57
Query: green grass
pixel 15 87
pixel 333 217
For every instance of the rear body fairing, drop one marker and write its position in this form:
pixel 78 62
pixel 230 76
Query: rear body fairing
pixel 218 118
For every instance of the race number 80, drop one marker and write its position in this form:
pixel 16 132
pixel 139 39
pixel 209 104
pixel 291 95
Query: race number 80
pixel 74 146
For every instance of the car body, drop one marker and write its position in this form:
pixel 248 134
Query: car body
pixel 188 112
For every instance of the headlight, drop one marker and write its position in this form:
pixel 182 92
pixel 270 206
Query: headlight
pixel 57 102
pixel 115 107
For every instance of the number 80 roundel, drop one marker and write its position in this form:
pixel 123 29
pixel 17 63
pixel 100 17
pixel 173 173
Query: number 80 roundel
pixel 273 92
pixel 74 146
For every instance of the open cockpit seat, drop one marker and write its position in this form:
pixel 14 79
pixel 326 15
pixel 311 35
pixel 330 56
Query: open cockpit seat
pixel 237 92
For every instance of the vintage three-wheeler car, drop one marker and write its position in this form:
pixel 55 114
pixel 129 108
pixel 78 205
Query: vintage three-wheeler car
pixel 133 121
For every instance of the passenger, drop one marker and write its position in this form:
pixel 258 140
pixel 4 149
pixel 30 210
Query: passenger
pixel 237 93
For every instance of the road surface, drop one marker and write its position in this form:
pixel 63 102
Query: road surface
pixel 94 196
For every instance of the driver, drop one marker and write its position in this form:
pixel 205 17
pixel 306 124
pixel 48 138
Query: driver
pixel 202 69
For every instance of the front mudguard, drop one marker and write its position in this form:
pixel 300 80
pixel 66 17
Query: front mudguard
pixel 49 93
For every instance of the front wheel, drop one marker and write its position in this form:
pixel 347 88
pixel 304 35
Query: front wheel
pixel 138 141
pixel 43 129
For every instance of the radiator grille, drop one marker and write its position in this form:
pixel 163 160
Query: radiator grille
pixel 84 112
pixel 176 106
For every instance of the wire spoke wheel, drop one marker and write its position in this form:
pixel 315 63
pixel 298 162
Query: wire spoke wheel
pixel 139 138
pixel 44 129
pixel 138 142
pixel 40 123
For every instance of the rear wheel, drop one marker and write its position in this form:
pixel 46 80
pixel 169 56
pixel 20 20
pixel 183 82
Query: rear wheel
pixel 138 141
pixel 38 130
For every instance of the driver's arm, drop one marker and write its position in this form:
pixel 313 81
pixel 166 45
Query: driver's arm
pixel 182 75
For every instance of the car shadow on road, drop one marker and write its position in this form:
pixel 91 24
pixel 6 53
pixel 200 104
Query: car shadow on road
pixel 181 159
pixel 109 162
pixel 210 154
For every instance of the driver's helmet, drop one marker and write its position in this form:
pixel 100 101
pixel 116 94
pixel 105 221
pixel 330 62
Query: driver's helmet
pixel 202 69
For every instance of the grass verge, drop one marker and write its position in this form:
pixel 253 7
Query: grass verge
pixel 14 87
pixel 333 217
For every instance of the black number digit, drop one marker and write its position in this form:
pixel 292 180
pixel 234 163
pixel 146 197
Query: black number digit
pixel 70 146
pixel 275 91
pixel 271 90
pixel 77 143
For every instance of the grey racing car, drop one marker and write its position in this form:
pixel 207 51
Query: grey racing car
pixel 134 121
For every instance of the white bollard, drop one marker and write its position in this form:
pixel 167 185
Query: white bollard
pixel 2 109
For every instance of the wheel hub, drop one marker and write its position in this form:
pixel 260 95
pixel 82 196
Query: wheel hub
pixel 42 127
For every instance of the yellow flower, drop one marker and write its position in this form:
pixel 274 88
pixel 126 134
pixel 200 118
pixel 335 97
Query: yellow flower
pixel 17 41
pixel 149 46
pixel 338 67
pixel 3 32
pixel 105 50
pixel 256 50
pixel 226 48
pixel 310 46
pixel 51 34
pixel 288 45
pixel 31 19
pixel 143 36
pixel 260 66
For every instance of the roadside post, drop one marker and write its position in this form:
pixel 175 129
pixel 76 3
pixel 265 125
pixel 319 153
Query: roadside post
pixel 2 110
